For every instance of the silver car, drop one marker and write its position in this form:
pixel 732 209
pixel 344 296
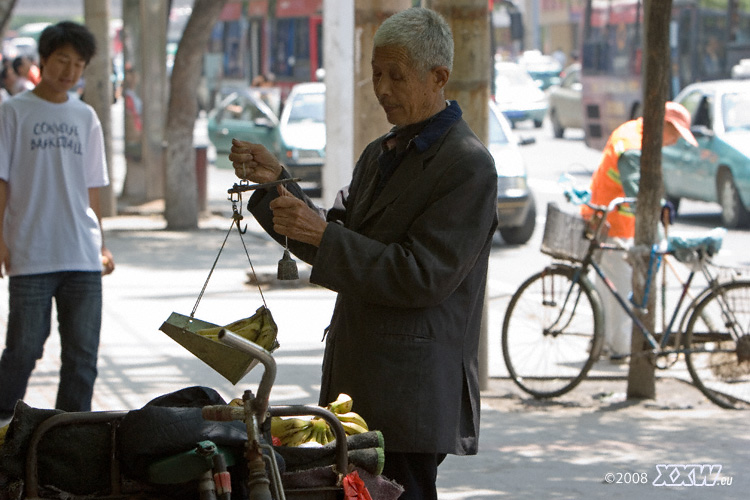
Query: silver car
pixel 565 108
pixel 516 209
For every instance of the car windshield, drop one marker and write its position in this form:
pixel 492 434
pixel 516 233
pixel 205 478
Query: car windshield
pixel 734 108
pixel 497 134
pixel 307 108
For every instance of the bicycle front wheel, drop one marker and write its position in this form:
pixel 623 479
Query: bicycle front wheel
pixel 552 332
pixel 717 345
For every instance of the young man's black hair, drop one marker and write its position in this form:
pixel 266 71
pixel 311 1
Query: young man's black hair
pixel 67 33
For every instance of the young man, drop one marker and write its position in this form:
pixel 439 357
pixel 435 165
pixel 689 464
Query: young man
pixel 51 169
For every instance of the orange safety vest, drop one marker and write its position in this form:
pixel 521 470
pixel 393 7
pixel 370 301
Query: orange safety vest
pixel 606 184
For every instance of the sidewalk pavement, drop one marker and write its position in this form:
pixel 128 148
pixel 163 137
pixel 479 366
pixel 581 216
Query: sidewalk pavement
pixel 587 444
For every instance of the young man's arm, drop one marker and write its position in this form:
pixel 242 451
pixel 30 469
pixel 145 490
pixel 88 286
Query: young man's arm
pixel 108 262
pixel 4 253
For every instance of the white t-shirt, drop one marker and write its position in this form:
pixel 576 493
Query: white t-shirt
pixel 50 155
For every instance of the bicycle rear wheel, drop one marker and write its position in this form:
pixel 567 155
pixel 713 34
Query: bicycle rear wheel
pixel 717 345
pixel 552 332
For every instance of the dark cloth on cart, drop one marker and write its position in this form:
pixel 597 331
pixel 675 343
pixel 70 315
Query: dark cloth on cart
pixel 71 458
pixel 76 458
pixel 173 424
pixel 410 269
pixel 365 450
pixel 308 482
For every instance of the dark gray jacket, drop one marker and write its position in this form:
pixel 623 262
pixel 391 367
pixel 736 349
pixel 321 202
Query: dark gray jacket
pixel 410 270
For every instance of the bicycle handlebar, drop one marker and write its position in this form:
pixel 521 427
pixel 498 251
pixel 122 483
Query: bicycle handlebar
pixel 579 196
pixel 605 209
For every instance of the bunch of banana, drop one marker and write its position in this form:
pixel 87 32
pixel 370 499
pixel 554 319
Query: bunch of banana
pixel 321 433
pixel 343 404
pixel 297 431
pixel 352 422
pixel 291 431
pixel 259 328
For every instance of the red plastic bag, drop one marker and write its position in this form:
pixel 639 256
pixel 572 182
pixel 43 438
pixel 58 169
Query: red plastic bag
pixel 354 487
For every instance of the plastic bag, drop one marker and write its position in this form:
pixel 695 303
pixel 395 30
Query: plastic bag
pixel 354 487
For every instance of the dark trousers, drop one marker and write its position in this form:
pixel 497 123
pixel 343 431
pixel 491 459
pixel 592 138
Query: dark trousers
pixel 416 472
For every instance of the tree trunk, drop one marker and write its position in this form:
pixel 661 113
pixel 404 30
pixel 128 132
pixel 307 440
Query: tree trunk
pixel 469 84
pixel 657 16
pixel 6 11
pixel 154 17
pixel 181 201
pixel 145 27
pixel 98 91
pixel 134 184
pixel 370 121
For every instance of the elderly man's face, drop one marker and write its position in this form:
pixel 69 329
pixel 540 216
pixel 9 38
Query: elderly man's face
pixel 406 95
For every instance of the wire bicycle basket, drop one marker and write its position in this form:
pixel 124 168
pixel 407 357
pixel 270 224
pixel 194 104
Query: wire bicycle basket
pixel 567 235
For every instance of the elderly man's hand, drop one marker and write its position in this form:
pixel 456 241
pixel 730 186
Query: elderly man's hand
pixel 254 162
pixel 294 219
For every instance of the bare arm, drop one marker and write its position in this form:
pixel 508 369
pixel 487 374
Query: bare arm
pixel 108 262
pixel 4 253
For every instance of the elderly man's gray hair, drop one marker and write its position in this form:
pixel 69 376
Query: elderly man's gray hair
pixel 423 33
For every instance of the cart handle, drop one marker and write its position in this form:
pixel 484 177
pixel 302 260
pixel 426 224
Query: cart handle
pixel 269 372
pixel 68 418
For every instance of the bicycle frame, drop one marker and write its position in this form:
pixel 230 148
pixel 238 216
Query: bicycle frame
pixel 660 347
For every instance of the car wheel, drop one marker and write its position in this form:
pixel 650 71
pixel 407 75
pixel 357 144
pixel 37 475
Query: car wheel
pixel 557 129
pixel 733 212
pixel 538 123
pixel 521 234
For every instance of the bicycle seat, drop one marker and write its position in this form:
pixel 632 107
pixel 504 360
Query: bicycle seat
pixel 684 247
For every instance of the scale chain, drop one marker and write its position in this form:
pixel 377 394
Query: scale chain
pixel 236 218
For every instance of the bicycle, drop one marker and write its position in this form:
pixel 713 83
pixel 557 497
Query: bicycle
pixel 553 329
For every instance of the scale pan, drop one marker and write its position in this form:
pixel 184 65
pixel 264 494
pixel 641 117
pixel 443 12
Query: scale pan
pixel 230 363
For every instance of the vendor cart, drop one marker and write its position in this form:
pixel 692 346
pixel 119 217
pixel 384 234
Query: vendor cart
pixel 264 479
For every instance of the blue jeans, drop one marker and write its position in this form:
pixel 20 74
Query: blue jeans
pixel 78 298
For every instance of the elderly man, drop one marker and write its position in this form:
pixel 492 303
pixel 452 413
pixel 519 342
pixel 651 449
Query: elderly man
pixel 406 248
pixel 618 175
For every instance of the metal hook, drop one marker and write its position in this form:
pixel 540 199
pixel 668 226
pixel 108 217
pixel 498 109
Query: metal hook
pixel 237 217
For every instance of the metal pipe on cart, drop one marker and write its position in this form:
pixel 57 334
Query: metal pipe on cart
pixel 254 414
pixel 260 402
pixel 206 486
pixel 221 477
